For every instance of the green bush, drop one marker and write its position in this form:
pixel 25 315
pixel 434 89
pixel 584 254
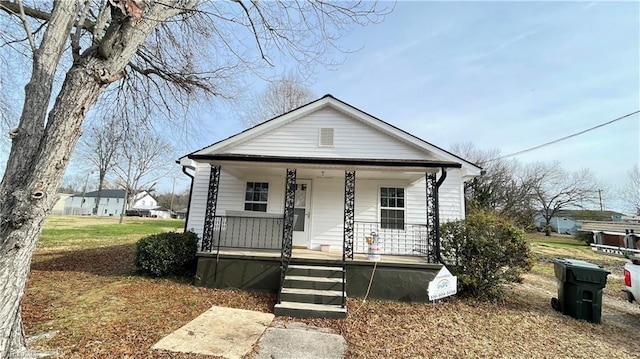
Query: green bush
pixel 167 254
pixel 584 237
pixel 485 252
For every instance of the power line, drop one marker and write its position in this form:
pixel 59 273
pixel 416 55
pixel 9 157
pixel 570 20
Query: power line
pixel 565 137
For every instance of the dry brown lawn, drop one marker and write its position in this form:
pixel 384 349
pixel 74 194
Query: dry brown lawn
pixel 101 309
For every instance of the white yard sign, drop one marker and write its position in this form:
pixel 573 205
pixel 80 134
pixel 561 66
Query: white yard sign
pixel 443 285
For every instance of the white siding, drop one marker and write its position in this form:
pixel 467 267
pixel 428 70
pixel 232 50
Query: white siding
pixel 232 190
pixel 230 195
pixel 328 201
pixel 199 199
pixel 451 198
pixel 353 139
pixel 108 206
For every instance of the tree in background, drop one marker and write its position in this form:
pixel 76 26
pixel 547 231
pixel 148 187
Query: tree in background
pixel 142 55
pixel 503 188
pixel 629 193
pixel 141 161
pixel 280 97
pixel 100 146
pixel 555 188
pixel 173 201
pixel 72 183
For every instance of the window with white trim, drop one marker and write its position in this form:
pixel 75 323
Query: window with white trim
pixel 256 196
pixel 392 208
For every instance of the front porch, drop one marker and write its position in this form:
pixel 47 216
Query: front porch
pixel 396 277
pixel 274 241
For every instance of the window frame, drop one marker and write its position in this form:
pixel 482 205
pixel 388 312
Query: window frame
pixel 258 202
pixel 387 225
pixel 333 137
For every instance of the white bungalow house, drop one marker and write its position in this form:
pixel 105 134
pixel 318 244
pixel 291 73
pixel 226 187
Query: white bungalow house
pixel 111 201
pixel 325 176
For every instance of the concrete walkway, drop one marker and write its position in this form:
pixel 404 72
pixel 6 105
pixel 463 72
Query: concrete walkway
pixel 232 333
pixel 225 332
pixel 299 341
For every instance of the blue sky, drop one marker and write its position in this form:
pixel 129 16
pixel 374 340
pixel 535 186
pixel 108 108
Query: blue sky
pixel 506 75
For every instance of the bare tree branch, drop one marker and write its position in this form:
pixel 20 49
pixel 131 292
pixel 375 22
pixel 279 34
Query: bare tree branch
pixel 16 9
pixel 27 28
pixel 280 97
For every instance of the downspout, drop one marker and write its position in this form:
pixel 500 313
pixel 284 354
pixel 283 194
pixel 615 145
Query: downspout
pixel 437 214
pixel 186 217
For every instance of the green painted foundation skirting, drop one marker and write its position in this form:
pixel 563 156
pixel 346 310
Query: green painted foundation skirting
pixel 391 281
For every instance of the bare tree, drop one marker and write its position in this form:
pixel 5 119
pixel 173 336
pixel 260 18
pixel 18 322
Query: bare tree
pixel 72 183
pixel 141 161
pixel 281 96
pixel 629 193
pixel 99 146
pixel 142 55
pixel 556 188
pixel 503 187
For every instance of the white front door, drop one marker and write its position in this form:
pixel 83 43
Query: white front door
pixel 301 214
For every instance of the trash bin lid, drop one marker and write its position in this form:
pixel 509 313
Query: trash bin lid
pixel 581 271
pixel 578 263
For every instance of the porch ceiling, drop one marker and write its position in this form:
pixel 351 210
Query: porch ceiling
pixel 321 173
pixel 241 165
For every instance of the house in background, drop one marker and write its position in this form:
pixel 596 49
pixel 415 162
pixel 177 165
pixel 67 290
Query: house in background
pixel 58 208
pixel 111 202
pixel 569 221
pixel 294 203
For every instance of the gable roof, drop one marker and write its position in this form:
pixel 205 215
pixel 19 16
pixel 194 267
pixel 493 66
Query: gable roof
pixel 329 101
pixel 585 214
pixel 106 193
pixel 111 193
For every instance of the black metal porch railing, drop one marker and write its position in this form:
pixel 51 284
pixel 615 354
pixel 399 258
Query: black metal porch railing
pixel 412 239
pixel 246 232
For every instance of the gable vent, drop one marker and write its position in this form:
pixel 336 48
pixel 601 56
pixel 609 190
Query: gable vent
pixel 326 137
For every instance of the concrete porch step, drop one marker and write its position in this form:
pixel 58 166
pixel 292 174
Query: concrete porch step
pixel 312 282
pixel 315 296
pixel 309 310
pixel 314 271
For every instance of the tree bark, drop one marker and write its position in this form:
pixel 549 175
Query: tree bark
pixel 40 154
pixel 96 205
pixel 28 196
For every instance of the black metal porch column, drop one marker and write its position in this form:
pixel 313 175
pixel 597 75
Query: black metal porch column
pixel 210 213
pixel 349 205
pixel 289 204
pixel 433 214
pixel 287 226
pixel 432 221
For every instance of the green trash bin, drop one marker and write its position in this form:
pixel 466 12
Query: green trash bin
pixel 580 287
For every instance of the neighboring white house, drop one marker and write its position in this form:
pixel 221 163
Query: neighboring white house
pixel 329 151
pixel 568 221
pixel 111 202
pixel 58 208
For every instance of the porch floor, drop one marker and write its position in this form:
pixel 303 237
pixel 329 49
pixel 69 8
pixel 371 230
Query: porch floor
pixel 320 256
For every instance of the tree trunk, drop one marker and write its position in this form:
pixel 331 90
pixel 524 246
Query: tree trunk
pixel 96 205
pixel 547 227
pixel 39 155
pixel 28 196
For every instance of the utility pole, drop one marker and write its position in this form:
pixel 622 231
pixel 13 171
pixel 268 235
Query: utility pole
pixel 173 190
pixel 600 195
pixel 126 190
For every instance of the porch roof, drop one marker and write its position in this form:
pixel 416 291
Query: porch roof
pixel 328 161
